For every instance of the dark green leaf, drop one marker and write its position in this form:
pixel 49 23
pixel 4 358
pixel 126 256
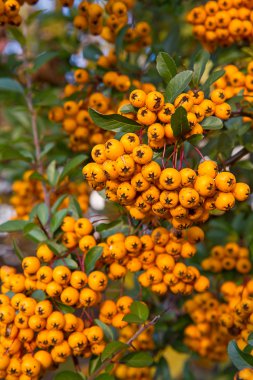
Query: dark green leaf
pixel 13 225
pixel 199 66
pixel 138 359
pixel 212 123
pixel 71 165
pixel 8 84
pixel 9 153
pixel 35 233
pixel 38 295
pixel 43 58
pixel 139 313
pixel 119 43
pixel 179 122
pixel 105 376
pixel 239 358
pixel 162 370
pixel 17 250
pixel 43 213
pixel 69 263
pixel 68 375
pixel 213 77
pixel 188 375
pixel 58 249
pixel 17 35
pixel 58 202
pixel 92 257
pixel 92 52
pixel 57 219
pixel 166 66
pixel 74 207
pixel 115 122
pixel 112 348
pixel 65 309
pixel 177 85
pixel 106 329
pixel 33 16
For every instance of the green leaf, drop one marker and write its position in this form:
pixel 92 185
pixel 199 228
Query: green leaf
pixel 212 123
pixel 92 52
pixel 49 146
pixel 57 219
pixel 179 122
pixel 58 202
pixel 65 308
pixel 162 370
pixel 17 35
pixel 17 250
pixel 139 313
pixel 92 256
pixel 74 208
pixel 13 226
pixel 199 66
pixel 9 153
pixel 38 295
pixel 213 77
pixel 177 85
pixel 43 213
pixel 43 58
pixel 166 66
pixel 239 358
pixel 127 108
pixel 68 375
pixel 52 174
pixel 58 249
pixel 138 359
pixel 94 363
pixel 106 329
pixel 71 165
pixel 105 376
pixel 33 16
pixel 8 84
pixel 112 348
pixel 115 122
pixel 119 43
pixel 70 263
pixel 38 176
pixel 188 375
pixel 35 233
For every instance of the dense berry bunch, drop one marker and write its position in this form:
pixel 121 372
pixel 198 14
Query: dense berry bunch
pixel 9 11
pixel 222 22
pixel 157 255
pixel 129 174
pixel 28 192
pixel 216 322
pixel 107 21
pixel 228 257
pixel 153 113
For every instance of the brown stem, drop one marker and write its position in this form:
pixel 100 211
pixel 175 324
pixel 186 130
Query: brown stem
pixel 128 343
pixel 76 363
pixel 233 159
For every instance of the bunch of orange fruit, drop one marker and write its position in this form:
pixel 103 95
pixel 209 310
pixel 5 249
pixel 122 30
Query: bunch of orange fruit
pixel 27 192
pixel 130 175
pixel 216 322
pixel 157 254
pixel 222 22
pixel 228 257
pixel 10 11
pixel 154 114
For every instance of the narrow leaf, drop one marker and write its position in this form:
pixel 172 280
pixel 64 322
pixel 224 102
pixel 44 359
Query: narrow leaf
pixel 8 84
pixel 138 359
pixel 92 256
pixel 115 122
pixel 166 66
pixel 13 226
pixel 212 123
pixel 71 165
pixel 239 358
pixel 177 85
pixel 43 58
pixel 17 250
pixel 106 329
pixel 179 122
pixel 112 348
pixel 199 66
pixel 57 219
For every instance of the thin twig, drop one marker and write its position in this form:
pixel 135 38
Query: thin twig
pixel 233 159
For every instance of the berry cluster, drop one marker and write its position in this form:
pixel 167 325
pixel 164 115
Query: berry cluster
pixel 222 22
pixel 129 174
pixel 157 255
pixel 28 192
pixel 108 21
pixel 216 322
pixel 228 257
pixel 9 11
pixel 123 372
pixel 34 337
pixel 244 374
pixel 236 81
pixel 154 113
